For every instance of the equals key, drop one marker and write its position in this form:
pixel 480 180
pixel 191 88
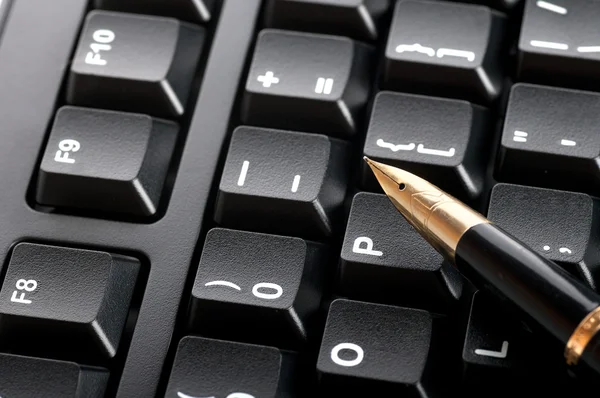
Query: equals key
pixel 282 182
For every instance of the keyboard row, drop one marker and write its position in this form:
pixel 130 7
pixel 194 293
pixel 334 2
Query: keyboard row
pixel 359 342
pixel 548 140
pixel 265 289
pixel 311 83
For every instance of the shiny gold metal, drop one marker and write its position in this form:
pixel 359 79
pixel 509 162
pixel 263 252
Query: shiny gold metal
pixel 438 217
pixel 582 335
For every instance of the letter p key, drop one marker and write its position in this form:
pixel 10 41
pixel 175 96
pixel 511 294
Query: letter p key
pixel 368 249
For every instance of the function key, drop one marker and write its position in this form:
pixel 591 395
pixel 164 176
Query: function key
pixel 135 63
pixel 442 140
pixel 384 259
pixel 215 368
pixel 557 224
pixel 106 161
pixel 24 377
pixel 282 182
pixel 70 301
pixel 447 49
pixel 560 43
pixel 189 10
pixel 359 19
pixel 307 82
pixel 377 349
pixel 550 138
pixel 256 287
pixel 500 355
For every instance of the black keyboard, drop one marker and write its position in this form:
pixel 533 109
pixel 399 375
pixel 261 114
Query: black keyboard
pixel 185 212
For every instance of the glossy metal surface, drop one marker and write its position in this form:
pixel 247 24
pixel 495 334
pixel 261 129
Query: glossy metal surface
pixel 439 218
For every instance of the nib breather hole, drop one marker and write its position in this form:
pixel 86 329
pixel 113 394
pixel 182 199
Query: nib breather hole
pixel 401 186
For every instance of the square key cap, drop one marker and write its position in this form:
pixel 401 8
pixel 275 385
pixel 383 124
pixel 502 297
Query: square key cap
pixel 384 259
pixel 135 63
pixel 560 43
pixel 369 347
pixel 550 139
pixel 256 287
pixel 27 377
pixel 562 226
pixel 442 140
pixel 307 82
pixel 206 368
pixel 66 301
pixel 106 161
pixel 283 182
pixel 443 48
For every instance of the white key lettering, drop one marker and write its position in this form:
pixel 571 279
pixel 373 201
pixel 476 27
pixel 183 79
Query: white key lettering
pixel 65 147
pixel 102 38
pixel 335 355
pixel 23 286
pixel 368 249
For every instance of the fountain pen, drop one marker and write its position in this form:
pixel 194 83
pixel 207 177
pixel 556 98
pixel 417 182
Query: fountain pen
pixel 495 261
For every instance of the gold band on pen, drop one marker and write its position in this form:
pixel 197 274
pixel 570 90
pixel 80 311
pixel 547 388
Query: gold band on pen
pixel 582 335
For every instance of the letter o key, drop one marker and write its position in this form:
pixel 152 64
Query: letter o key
pixel 360 354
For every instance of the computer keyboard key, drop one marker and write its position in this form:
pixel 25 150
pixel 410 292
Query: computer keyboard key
pixel 135 63
pixel 445 141
pixel 499 354
pixel 26 377
pixel 448 49
pixel 359 19
pixel 283 182
pixel 256 288
pixel 550 139
pixel 216 368
pixel 308 82
pixel 199 11
pixel 563 226
pixel 559 43
pixel 71 301
pixel 371 347
pixel 106 161
pixel 384 259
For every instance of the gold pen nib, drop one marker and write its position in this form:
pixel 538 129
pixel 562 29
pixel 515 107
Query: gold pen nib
pixel 438 217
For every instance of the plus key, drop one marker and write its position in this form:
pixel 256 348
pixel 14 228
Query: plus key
pixel 307 82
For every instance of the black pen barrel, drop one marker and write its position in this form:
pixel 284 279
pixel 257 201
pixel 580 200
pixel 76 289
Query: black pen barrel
pixel 546 293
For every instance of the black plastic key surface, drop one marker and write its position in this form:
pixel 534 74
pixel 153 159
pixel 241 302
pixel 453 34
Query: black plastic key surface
pixel 561 225
pixel 448 49
pixel 223 369
pixel 384 259
pixel 282 182
pixel 255 287
pixel 106 161
pixel 307 82
pixel 442 140
pixel 359 19
pixel 559 43
pixel 68 301
pixel 26 377
pixel 550 139
pixel 200 11
pixel 371 347
pixel 135 63
pixel 503 5
pixel 501 356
